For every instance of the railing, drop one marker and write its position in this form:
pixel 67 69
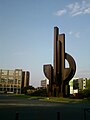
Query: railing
pixel 86 111
pixel 58 116
pixel 17 116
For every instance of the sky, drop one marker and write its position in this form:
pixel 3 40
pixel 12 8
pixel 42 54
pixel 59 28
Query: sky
pixel 27 34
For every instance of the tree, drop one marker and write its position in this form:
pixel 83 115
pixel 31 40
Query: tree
pixel 86 91
pixel 40 92
pixel 26 89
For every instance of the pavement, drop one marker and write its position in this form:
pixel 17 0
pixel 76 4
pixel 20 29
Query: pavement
pixel 16 108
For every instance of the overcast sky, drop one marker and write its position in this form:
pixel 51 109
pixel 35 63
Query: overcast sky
pixel 26 34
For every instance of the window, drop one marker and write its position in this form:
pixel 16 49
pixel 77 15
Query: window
pixel 4 72
pixel 75 84
pixel 20 73
pixel 10 81
pixel 15 81
pixel 11 72
pixel 19 81
pixel 11 77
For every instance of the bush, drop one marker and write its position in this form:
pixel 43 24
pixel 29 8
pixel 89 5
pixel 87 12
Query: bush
pixel 40 92
pixel 27 89
pixel 86 93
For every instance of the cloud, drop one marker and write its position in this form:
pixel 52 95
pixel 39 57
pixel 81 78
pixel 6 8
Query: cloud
pixel 83 74
pixel 70 33
pixel 60 12
pixel 87 11
pixel 75 34
pixel 75 9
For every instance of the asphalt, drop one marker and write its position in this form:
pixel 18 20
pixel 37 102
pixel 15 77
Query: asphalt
pixel 16 108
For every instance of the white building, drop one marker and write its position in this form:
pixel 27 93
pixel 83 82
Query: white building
pixel 44 83
pixel 78 84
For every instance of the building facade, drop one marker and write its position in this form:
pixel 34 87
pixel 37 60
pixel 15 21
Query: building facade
pixel 44 83
pixel 25 78
pixel 78 84
pixel 12 81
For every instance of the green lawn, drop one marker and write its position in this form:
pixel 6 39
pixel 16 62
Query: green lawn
pixel 61 99
pixel 53 99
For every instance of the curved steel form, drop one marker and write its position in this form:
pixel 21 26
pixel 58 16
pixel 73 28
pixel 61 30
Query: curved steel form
pixel 58 75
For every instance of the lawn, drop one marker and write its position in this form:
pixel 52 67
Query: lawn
pixel 54 99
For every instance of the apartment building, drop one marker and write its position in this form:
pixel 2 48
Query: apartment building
pixel 12 81
pixel 25 78
pixel 78 84
pixel 44 83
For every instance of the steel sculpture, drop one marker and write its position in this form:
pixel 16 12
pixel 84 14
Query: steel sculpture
pixel 58 75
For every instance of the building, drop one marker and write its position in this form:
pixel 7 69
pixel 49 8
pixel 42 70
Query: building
pixel 44 83
pixel 78 84
pixel 25 78
pixel 12 81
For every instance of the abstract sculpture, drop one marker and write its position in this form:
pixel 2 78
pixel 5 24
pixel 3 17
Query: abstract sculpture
pixel 58 75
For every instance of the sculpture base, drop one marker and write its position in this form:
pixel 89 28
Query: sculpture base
pixel 58 91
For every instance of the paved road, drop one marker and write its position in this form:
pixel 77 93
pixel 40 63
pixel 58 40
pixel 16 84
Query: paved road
pixel 33 109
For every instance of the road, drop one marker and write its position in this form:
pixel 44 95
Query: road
pixel 34 109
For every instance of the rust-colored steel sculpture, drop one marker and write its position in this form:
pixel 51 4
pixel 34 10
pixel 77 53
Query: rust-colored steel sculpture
pixel 58 75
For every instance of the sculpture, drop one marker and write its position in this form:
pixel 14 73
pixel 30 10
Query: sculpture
pixel 58 75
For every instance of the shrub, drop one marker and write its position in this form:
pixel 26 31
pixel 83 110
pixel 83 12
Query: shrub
pixel 86 93
pixel 40 92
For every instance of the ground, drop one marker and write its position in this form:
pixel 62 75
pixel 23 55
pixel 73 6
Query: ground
pixel 35 109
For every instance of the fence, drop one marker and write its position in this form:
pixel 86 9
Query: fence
pixel 86 111
pixel 17 116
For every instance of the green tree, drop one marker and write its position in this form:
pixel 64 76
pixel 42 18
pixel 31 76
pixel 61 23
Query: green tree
pixel 39 92
pixel 25 89
pixel 86 91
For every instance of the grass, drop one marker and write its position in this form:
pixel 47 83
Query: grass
pixel 53 99
pixel 28 96
pixel 63 100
